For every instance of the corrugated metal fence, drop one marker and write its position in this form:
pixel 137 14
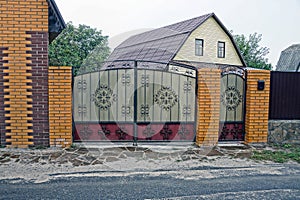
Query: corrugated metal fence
pixel 284 95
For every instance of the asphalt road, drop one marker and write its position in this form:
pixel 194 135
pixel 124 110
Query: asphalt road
pixel 156 185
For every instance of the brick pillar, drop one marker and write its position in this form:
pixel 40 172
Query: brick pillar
pixel 257 107
pixel 60 106
pixel 16 19
pixel 209 85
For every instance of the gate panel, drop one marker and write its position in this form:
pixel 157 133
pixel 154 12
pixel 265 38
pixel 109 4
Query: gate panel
pixel 103 106
pixel 232 104
pixel 165 106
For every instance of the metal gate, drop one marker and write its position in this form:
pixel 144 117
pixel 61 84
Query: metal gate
pixel 232 111
pixel 135 101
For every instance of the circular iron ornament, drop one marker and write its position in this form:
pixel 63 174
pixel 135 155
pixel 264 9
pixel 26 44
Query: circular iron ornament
pixel 166 98
pixel 231 98
pixel 103 97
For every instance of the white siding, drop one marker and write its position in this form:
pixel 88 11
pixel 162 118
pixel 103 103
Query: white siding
pixel 211 33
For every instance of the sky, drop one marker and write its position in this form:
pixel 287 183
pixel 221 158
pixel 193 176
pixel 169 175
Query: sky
pixel 277 20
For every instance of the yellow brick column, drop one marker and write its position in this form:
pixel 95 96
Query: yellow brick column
pixel 209 85
pixel 60 106
pixel 257 107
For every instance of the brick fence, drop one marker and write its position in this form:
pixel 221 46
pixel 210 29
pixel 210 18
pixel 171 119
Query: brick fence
pixel 36 100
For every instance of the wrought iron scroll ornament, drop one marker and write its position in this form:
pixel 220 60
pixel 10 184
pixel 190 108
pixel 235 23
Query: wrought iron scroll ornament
pixel 82 85
pixel 166 98
pixel 231 98
pixel 126 79
pixel 126 111
pixel 187 110
pixel 85 132
pixel 104 132
pixel 122 133
pixel 145 110
pixel 148 132
pixel 183 132
pixel 166 132
pixel 187 86
pixel 145 80
pixel 103 97
pixel 233 70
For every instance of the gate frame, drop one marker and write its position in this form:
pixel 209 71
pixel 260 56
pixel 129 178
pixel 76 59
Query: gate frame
pixel 244 77
pixel 135 68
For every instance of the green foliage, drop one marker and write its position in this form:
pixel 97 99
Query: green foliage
pixel 253 53
pixel 81 46
pixel 281 154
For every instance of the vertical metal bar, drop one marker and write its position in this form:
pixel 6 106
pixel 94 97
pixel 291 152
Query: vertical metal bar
pixel 236 85
pixel 153 94
pixel 179 97
pixel 145 92
pixel 171 88
pixel 227 76
pixel 99 83
pixel 135 106
pixel 117 102
pixel 196 105
pixel 90 95
pixel 244 105
pixel 108 84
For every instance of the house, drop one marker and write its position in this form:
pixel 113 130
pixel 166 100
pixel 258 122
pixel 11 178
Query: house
pixel 289 59
pixel 199 40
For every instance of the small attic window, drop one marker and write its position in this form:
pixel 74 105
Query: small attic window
pixel 221 49
pixel 199 47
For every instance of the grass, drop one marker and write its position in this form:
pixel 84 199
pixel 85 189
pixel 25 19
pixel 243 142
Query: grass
pixel 279 154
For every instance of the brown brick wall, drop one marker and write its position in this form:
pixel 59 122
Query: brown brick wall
pixel 39 71
pixel 208 106
pixel 18 17
pixel 257 107
pixel 60 106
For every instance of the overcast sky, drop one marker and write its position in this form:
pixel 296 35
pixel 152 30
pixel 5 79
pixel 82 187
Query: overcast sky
pixel 277 20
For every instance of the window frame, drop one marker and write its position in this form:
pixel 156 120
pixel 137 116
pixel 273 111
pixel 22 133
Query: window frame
pixel 221 49
pixel 199 49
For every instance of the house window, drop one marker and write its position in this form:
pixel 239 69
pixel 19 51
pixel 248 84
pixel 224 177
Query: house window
pixel 199 47
pixel 221 49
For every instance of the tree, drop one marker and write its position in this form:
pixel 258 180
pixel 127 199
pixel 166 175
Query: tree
pixel 253 53
pixel 80 47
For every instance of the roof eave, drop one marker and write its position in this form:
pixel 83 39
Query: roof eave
pixel 56 22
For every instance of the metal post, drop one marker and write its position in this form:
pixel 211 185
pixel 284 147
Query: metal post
pixel 135 105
